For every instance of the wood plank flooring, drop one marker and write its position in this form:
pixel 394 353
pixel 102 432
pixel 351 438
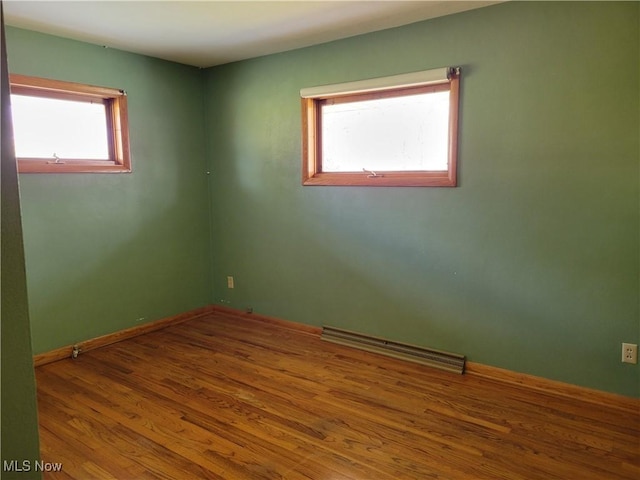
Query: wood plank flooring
pixel 228 398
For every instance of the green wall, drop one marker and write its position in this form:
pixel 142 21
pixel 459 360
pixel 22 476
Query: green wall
pixel 531 264
pixel 106 252
pixel 19 437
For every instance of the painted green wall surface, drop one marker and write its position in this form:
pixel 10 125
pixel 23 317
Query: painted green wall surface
pixel 19 432
pixel 106 252
pixel 531 264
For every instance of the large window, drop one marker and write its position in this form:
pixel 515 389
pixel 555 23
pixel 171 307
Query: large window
pixel 64 127
pixel 390 131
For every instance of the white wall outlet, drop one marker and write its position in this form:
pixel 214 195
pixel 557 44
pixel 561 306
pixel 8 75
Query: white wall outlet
pixel 230 283
pixel 629 353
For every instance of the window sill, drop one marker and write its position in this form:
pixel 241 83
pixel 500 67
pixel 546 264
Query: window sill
pixel 71 166
pixel 386 179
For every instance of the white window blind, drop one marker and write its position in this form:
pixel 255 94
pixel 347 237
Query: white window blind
pixel 413 79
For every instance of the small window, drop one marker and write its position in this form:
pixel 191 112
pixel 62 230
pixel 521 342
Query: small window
pixel 64 127
pixel 390 131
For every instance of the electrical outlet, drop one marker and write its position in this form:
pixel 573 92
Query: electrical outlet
pixel 629 353
pixel 230 282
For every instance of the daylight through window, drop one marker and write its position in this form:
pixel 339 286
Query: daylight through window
pixel 62 127
pixel 391 131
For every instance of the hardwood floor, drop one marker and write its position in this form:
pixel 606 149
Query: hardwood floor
pixel 228 398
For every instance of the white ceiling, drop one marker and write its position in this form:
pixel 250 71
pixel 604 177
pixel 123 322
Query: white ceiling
pixel 211 32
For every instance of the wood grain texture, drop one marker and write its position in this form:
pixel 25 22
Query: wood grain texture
pixel 278 322
pixel 544 385
pixel 108 339
pixel 228 397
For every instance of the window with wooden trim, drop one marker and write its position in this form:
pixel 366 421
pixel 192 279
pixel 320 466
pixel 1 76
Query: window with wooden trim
pixel 391 131
pixel 65 127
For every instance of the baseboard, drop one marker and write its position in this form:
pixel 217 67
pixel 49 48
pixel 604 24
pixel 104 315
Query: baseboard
pixel 278 322
pixel 553 387
pixel 495 374
pixel 499 375
pixel 91 344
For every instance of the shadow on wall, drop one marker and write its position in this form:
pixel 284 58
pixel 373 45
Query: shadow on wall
pixel 108 251
pixel 531 262
pixel 488 269
pixel 90 278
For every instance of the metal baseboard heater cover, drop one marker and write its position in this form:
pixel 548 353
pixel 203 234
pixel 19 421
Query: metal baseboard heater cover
pixel 451 362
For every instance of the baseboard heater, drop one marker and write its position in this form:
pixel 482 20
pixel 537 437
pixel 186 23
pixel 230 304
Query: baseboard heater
pixel 451 362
